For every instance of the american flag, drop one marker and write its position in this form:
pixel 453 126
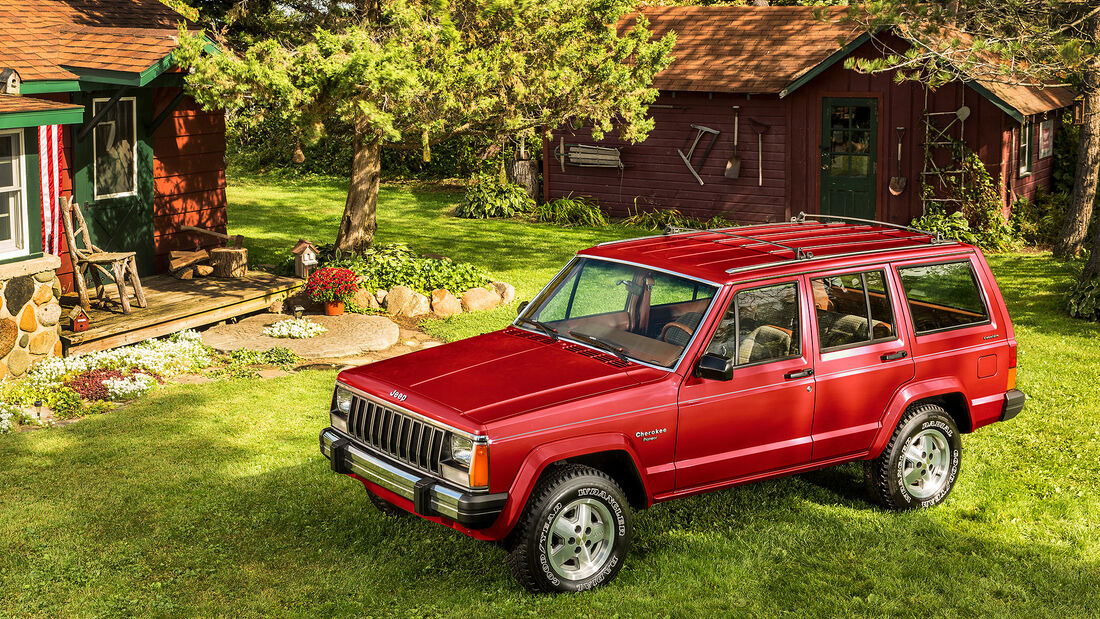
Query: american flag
pixel 49 150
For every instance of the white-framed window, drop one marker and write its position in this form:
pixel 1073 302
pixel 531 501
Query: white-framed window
pixel 13 194
pixel 1027 148
pixel 114 143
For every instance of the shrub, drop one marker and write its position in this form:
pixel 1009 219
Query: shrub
pixel 487 197
pixel 1084 299
pixel 975 189
pixel 665 218
pixel 386 266
pixel 570 211
pixel 7 414
pixel 953 226
pixel 113 385
pixel 1040 222
pixel 331 284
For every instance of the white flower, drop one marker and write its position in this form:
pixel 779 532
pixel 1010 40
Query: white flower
pixel 5 419
pixel 297 328
pixel 129 387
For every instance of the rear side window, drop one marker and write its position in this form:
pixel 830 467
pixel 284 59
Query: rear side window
pixel 760 325
pixel 943 296
pixel 852 309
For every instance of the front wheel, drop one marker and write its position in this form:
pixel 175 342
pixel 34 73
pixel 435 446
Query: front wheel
pixel 920 464
pixel 574 533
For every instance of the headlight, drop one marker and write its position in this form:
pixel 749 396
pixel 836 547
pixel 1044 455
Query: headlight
pixel 343 400
pixel 462 450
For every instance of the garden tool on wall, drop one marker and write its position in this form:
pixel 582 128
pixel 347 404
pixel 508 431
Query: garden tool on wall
pixel 691 151
pixel 761 129
pixel 897 183
pixel 733 166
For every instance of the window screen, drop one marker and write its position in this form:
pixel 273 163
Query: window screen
pixel 852 309
pixel 115 141
pixel 1027 143
pixel 760 325
pixel 11 190
pixel 943 296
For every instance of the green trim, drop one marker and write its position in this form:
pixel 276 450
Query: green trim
pixel 211 47
pixel 16 120
pixel 997 101
pixel 156 69
pixel 833 58
pixel 33 192
pixel 30 256
pixel 93 79
pixel 39 87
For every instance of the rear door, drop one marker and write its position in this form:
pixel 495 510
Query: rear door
pixel 862 356
pixel 760 420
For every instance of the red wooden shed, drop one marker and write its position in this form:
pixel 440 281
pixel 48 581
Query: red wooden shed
pixel 812 136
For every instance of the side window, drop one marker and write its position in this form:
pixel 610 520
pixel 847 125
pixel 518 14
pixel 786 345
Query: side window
pixel 852 309
pixel 761 324
pixel 668 289
pixel 596 290
pixel 115 142
pixel 943 296
pixel 12 192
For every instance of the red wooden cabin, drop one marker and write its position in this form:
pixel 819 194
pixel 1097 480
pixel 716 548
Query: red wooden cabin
pixel 829 136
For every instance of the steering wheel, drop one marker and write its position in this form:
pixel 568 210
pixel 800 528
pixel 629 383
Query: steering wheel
pixel 678 325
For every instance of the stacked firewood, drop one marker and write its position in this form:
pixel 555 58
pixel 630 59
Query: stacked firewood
pixel 217 262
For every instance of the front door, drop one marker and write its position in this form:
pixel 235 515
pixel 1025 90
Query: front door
pixel 761 420
pixel 114 175
pixel 849 135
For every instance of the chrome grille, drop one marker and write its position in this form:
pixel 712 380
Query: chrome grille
pixel 402 436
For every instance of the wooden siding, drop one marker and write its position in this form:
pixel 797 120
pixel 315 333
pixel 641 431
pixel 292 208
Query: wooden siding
pixel 654 176
pixel 189 173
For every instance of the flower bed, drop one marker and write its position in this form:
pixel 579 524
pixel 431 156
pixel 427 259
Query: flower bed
pixel 296 328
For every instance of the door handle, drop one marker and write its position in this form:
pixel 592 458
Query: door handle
pixel 894 356
pixel 799 374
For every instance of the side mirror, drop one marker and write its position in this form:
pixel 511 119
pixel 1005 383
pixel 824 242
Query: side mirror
pixel 714 367
pixel 522 306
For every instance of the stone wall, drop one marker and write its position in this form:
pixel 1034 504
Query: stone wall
pixel 30 313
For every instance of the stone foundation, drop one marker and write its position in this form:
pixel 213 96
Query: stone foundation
pixel 30 313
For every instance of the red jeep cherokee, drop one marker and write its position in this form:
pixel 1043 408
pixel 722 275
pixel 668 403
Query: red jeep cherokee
pixel 661 367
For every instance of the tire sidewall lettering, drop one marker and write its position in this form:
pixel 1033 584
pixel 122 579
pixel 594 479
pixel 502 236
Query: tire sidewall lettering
pixel 899 469
pixel 544 531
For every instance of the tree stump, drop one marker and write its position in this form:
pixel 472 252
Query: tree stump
pixel 524 173
pixel 229 261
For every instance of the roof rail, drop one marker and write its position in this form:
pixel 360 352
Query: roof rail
pixel 801 218
pixel 799 253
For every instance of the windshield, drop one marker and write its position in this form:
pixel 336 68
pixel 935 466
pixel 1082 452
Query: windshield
pixel 638 312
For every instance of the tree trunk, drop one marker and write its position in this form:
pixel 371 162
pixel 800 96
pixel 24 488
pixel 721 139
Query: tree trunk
pixel 525 173
pixel 358 225
pixel 1092 267
pixel 1076 224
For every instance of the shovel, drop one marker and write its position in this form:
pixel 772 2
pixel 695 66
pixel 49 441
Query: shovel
pixel 897 183
pixel 761 129
pixel 733 166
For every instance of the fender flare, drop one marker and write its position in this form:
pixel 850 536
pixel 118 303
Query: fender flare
pixel 546 454
pixel 904 397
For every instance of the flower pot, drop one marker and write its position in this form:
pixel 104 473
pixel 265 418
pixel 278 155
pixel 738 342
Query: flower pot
pixel 334 308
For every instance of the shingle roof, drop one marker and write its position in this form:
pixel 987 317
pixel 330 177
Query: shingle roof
pixel 44 39
pixel 763 50
pixel 743 48
pixel 12 104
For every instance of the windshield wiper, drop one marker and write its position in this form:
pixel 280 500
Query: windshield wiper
pixel 551 332
pixel 602 343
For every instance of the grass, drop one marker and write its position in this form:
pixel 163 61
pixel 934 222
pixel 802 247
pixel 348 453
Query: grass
pixel 207 500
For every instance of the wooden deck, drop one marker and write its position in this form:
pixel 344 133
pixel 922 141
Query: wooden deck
pixel 175 305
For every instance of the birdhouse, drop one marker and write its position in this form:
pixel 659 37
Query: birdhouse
pixel 78 320
pixel 10 81
pixel 305 258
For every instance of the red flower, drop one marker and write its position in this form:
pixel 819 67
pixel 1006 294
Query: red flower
pixel 332 284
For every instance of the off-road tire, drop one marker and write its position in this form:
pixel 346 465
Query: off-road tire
pixel 387 508
pixel 558 498
pixel 919 478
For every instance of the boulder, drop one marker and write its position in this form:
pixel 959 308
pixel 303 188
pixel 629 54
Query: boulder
pixel 365 298
pixel 404 301
pixel 27 321
pixel 42 295
pixel 445 304
pixel 506 291
pixel 44 276
pixel 24 340
pixel 9 333
pixel 18 292
pixel 18 362
pixel 276 307
pixel 56 288
pixel 57 349
pixel 48 315
pixel 43 343
pixel 478 299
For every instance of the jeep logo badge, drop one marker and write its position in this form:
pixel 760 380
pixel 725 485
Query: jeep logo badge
pixel 397 395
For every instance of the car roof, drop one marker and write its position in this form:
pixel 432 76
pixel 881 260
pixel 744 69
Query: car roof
pixel 807 243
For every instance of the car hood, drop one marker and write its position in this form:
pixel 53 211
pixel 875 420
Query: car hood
pixel 501 374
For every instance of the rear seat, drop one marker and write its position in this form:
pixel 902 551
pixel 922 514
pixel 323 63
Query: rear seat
pixel 837 329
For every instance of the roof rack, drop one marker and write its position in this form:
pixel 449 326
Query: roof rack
pixel 799 253
pixel 801 218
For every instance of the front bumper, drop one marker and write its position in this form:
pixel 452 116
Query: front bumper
pixel 1014 403
pixel 430 496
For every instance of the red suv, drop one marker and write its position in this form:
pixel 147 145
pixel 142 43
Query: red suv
pixel 667 366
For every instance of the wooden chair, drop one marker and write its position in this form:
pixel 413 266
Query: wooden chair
pixel 90 257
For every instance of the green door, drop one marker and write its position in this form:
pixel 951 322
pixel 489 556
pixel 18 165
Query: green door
pixel 114 175
pixel 849 135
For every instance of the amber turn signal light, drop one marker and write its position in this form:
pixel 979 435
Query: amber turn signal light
pixel 479 467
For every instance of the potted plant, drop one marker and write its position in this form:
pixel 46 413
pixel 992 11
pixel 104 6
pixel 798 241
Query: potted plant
pixel 332 286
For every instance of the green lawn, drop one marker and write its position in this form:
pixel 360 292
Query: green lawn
pixel 212 500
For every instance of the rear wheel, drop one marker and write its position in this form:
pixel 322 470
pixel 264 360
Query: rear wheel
pixel 921 462
pixel 574 533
